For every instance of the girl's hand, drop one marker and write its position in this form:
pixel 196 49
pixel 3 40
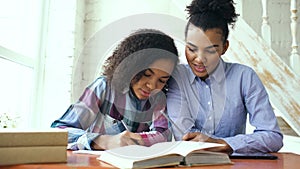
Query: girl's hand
pixel 197 136
pixel 125 138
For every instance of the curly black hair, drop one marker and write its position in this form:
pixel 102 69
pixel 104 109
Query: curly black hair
pixel 208 14
pixel 134 54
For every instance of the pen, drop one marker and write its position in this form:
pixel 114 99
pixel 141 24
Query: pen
pixel 126 127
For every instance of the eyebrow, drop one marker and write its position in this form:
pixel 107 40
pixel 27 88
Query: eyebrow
pixel 154 73
pixel 212 46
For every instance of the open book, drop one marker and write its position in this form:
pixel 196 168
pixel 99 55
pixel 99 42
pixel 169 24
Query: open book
pixel 164 154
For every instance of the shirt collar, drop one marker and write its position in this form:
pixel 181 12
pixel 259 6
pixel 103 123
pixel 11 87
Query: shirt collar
pixel 218 74
pixel 191 76
pixel 132 95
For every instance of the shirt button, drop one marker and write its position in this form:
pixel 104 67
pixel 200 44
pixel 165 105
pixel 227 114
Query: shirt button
pixel 206 86
pixel 208 103
pixel 209 118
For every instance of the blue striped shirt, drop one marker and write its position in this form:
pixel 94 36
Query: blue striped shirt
pixel 218 107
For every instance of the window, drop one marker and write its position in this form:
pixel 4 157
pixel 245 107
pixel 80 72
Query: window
pixel 16 90
pixel 20 22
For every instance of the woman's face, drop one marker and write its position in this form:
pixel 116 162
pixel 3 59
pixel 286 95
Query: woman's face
pixel 203 50
pixel 154 78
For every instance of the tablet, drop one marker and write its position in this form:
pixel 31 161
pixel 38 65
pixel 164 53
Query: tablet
pixel 253 156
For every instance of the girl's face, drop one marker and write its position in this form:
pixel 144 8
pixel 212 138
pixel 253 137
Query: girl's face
pixel 154 78
pixel 203 50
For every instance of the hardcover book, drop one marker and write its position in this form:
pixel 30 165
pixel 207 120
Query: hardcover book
pixel 23 146
pixel 33 137
pixel 163 154
pixel 35 154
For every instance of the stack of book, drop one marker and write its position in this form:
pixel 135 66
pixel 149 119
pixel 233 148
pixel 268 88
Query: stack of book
pixel 33 146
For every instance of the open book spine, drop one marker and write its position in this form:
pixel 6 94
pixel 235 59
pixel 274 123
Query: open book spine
pixel 25 155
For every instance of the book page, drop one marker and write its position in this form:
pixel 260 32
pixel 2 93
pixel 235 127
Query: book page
pixel 185 147
pixel 160 149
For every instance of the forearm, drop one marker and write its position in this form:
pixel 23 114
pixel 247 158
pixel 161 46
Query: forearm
pixel 263 141
pixel 226 148
pixel 200 137
pixel 80 139
pixel 77 137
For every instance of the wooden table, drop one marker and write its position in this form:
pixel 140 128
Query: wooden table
pixel 84 161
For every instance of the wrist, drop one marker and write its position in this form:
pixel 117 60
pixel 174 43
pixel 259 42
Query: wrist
pixel 99 143
pixel 226 147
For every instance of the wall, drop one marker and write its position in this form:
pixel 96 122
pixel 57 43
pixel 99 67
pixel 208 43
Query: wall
pixel 279 19
pixel 79 37
pixel 104 27
pixel 281 83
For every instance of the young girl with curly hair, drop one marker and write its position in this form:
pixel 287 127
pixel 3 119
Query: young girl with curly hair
pixel 126 104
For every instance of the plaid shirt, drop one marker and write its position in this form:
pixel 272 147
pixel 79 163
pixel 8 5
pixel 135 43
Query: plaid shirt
pixel 100 110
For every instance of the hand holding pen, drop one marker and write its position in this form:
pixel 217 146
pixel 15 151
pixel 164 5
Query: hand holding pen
pixel 125 138
pixel 134 138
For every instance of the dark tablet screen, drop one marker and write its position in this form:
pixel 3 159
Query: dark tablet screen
pixel 253 156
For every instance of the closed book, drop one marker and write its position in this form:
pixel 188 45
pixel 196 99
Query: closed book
pixel 33 137
pixel 35 154
pixel 178 153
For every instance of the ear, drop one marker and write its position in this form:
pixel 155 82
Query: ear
pixel 225 47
